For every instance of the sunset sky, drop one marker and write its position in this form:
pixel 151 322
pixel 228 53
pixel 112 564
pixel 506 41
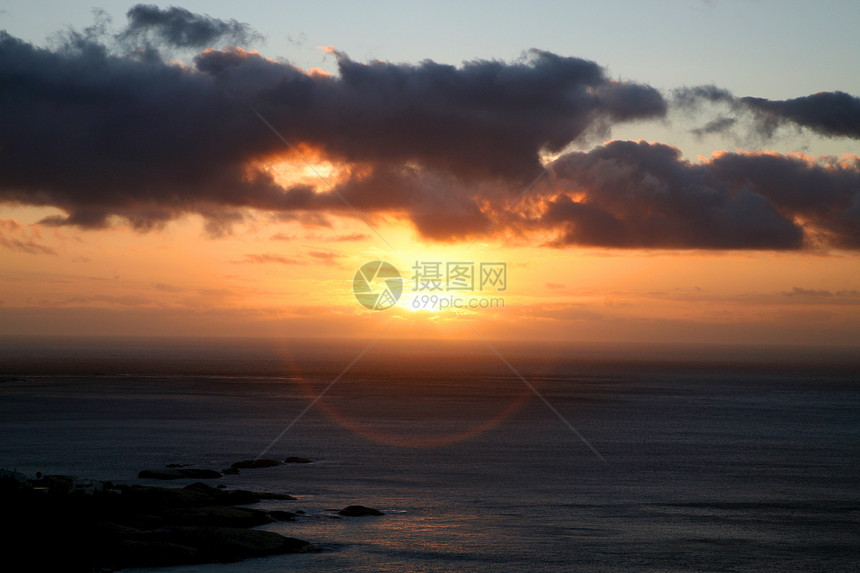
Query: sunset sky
pixel 676 171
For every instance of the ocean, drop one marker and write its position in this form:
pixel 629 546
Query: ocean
pixel 656 458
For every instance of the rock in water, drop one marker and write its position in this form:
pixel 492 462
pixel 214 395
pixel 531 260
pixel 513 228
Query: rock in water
pixel 134 526
pixel 297 460
pixel 359 511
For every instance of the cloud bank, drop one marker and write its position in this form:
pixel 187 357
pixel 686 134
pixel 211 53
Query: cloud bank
pixel 99 133
pixel 177 27
pixel 831 114
pixel 639 194
pixel 107 126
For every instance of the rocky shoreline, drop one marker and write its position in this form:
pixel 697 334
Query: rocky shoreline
pixel 60 523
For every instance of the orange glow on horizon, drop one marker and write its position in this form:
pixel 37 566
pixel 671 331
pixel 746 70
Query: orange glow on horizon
pixel 285 278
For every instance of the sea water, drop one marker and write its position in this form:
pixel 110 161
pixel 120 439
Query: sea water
pixel 649 458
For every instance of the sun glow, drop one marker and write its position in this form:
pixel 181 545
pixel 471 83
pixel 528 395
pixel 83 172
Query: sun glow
pixel 304 165
pixel 291 276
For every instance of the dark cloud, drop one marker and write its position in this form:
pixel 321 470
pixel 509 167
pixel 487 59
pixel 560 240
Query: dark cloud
pixel 99 132
pixel 822 197
pixel 717 125
pixel 692 97
pixel 485 118
pixel 639 194
pixel 441 206
pixel 832 114
pixel 177 27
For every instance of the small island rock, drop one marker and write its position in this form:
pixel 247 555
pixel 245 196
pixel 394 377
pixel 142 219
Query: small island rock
pixel 359 511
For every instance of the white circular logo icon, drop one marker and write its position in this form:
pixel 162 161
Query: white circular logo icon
pixel 377 285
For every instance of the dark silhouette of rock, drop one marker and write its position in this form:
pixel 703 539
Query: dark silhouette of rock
pixel 189 544
pixel 201 487
pixel 236 496
pixel 297 460
pixel 224 497
pixel 230 471
pixel 217 516
pixel 279 515
pixel 241 497
pixel 134 526
pixel 359 511
pixel 231 544
pixel 253 464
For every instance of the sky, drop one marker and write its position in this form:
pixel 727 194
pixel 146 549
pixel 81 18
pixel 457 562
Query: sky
pixel 678 171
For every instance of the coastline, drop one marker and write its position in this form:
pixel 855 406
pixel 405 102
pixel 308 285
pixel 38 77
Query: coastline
pixel 118 526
